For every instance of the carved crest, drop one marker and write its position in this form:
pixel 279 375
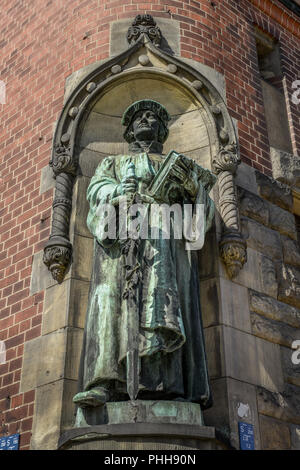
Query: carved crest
pixel 144 24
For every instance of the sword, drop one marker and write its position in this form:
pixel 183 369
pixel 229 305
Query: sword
pixel 130 294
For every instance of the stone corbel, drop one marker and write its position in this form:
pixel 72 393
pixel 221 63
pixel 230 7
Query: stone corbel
pixel 233 248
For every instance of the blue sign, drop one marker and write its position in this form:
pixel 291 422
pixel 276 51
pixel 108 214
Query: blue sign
pixel 246 436
pixel 10 442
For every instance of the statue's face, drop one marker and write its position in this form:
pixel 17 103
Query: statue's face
pixel 145 126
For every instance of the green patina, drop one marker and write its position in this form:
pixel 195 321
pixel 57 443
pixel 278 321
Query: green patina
pixel 143 335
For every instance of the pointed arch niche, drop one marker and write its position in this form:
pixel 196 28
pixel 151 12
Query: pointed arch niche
pixel 89 129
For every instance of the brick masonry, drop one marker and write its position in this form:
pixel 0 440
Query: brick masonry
pixel 41 44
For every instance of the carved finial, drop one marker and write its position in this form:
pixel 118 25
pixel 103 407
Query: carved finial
pixel 144 24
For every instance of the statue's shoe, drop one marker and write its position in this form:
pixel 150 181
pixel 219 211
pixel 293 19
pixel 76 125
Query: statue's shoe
pixel 95 397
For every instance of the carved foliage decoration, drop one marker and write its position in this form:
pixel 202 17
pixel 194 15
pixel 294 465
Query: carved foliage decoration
pixel 143 34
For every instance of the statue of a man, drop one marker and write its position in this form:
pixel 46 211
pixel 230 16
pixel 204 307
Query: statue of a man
pixel 143 336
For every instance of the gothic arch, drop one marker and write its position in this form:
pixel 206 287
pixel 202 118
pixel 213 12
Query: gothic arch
pixel 143 60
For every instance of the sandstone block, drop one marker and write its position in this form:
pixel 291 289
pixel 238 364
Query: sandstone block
pixel 283 405
pixel 295 437
pixel 253 206
pixel 278 193
pixel 291 254
pixel 282 221
pixel 234 305
pixel 271 330
pixel 291 371
pixel 245 178
pixel 286 167
pixel 261 238
pixel 259 273
pixel 289 284
pixel 251 359
pixel 273 309
pixel 274 434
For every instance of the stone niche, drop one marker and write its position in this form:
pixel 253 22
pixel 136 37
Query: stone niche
pixel 192 131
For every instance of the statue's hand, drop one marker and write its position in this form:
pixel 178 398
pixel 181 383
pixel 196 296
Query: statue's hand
pixel 191 183
pixel 128 185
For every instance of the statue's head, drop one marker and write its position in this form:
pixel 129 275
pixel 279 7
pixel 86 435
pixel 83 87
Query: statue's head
pixel 146 120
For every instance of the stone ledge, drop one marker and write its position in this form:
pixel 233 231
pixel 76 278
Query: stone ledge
pixel 131 430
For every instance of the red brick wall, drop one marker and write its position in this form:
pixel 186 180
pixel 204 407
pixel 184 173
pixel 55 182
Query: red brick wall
pixel 42 42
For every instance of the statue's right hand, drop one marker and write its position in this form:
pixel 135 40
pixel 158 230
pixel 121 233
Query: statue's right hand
pixel 128 185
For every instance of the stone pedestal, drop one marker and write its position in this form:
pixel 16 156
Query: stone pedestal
pixel 140 425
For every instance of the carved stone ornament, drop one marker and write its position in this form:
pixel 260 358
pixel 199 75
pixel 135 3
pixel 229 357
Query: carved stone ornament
pixel 233 251
pixel 144 38
pixel 62 160
pixel 144 24
pixel 233 248
pixel 57 259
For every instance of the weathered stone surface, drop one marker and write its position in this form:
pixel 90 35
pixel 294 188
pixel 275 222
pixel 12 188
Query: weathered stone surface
pixel 283 405
pixel 291 254
pixel 261 238
pixel 291 371
pixel 259 273
pixel 271 330
pixel 141 411
pixel 289 284
pixel 81 266
pixel 209 257
pixel 245 178
pixel 234 305
pixel 214 351
pixel 169 28
pixel 295 437
pixel 80 208
pixel 282 221
pixel 253 206
pixel 242 407
pixel 215 77
pixel 65 305
pixel 209 298
pixel 51 357
pixel 40 276
pixel 52 407
pixel 47 179
pixel 286 167
pixel 251 359
pixel 274 191
pixel 88 161
pixel 276 117
pixel 233 401
pixel 273 309
pixel 274 434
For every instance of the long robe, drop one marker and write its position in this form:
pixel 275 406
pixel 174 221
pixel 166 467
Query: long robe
pixel 171 343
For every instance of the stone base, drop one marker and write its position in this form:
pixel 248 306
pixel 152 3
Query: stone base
pixel 140 425
pixel 140 436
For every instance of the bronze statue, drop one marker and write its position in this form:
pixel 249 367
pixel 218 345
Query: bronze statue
pixel 143 336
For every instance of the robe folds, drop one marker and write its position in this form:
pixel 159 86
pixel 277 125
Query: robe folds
pixel 170 334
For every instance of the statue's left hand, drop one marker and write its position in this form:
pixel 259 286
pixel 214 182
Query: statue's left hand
pixel 191 183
